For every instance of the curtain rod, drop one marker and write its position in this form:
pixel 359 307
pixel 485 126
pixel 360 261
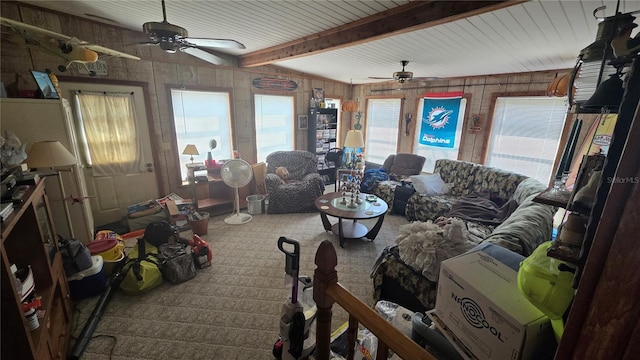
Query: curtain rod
pixel 103 92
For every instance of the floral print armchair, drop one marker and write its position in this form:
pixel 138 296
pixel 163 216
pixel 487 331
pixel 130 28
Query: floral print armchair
pixel 298 192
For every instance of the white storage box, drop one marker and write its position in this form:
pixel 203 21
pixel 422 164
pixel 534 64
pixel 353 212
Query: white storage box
pixel 479 301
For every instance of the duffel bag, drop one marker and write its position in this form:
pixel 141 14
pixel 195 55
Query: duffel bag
pixel 142 269
pixel 176 262
pixel 160 232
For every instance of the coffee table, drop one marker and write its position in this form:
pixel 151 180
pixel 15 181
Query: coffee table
pixel 330 204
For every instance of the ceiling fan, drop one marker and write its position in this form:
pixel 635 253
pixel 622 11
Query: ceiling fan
pixel 402 76
pixel 172 38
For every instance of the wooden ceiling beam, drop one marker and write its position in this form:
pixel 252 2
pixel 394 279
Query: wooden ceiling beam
pixel 413 16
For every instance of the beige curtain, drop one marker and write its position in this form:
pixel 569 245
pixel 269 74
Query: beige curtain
pixel 109 127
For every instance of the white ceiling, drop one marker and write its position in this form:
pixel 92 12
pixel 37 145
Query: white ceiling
pixel 531 36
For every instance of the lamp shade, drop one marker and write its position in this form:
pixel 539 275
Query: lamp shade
pixel 350 106
pixel 354 139
pixel 190 149
pixel 49 154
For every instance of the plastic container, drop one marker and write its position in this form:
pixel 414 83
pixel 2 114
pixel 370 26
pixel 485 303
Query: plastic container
pixel 88 282
pixel 111 265
pixel 32 319
pixel 109 249
pixel 255 204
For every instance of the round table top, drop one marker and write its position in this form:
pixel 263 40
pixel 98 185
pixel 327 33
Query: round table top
pixel 331 204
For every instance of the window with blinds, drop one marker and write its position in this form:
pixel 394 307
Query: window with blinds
pixel 274 124
pixel 199 117
pixel 525 135
pixel 383 122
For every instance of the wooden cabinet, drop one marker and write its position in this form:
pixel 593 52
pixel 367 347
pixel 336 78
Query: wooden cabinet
pixel 323 135
pixel 215 196
pixel 28 239
pixel 34 120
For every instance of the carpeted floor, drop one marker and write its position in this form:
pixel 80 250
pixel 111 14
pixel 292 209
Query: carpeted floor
pixel 231 309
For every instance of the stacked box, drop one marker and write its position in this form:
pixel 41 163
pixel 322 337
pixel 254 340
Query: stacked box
pixel 480 303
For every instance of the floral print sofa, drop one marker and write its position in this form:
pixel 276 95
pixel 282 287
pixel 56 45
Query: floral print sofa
pixel 464 178
pixel 529 225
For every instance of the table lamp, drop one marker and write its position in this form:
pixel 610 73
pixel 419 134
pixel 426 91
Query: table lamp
pixel 353 145
pixel 52 154
pixel 190 149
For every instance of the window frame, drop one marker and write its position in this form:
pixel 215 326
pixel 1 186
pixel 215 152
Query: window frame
pixel 365 127
pixel 294 119
pixel 176 166
pixel 489 125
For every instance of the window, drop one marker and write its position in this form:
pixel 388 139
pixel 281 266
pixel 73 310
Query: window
pixel 200 116
pixel 274 124
pixel 525 135
pixel 433 153
pixel 383 117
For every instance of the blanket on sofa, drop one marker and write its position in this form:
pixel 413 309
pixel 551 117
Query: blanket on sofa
pixel 482 208
pixel 423 245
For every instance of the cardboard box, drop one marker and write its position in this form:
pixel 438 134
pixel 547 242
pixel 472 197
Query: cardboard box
pixel 479 301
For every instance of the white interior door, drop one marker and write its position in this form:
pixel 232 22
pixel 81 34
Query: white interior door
pixel 114 193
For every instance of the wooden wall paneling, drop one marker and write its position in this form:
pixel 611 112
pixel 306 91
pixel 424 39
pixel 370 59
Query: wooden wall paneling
pixel 223 76
pixel 517 83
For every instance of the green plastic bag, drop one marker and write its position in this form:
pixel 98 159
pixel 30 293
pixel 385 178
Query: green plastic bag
pixel 142 269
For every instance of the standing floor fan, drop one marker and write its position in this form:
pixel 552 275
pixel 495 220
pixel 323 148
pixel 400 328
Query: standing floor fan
pixel 236 173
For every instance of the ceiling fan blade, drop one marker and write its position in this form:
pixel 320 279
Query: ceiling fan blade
pixel 203 55
pixel 215 43
pixel 380 78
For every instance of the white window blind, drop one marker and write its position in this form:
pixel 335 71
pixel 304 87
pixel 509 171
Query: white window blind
pixel 433 153
pixel 274 124
pixel 383 118
pixel 525 135
pixel 198 117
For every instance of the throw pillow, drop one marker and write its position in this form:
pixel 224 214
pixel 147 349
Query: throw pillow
pixel 429 184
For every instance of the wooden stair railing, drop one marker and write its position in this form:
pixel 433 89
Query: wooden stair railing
pixel 327 291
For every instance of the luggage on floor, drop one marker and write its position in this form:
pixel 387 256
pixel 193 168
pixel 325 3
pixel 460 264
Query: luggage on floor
pixel 176 262
pixel 142 269
pixel 160 232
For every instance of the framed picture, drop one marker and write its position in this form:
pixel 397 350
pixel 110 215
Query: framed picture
pixel 318 95
pixel 303 122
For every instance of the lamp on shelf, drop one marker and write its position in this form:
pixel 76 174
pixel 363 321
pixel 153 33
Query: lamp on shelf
pixel 52 154
pixel 353 144
pixel 191 150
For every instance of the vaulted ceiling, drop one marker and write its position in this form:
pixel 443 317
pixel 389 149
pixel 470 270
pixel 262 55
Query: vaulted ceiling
pixel 352 40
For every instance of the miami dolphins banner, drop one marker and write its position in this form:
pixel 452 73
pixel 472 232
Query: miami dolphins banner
pixel 440 119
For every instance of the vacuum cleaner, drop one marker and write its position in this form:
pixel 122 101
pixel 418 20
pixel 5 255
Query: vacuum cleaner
pixel 297 321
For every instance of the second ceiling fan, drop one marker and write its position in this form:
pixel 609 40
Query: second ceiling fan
pixel 402 76
pixel 172 38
